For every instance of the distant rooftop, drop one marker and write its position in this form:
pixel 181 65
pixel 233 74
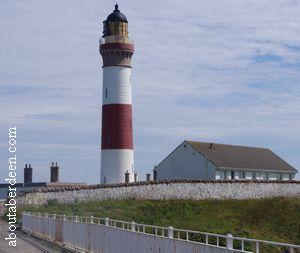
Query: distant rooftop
pixel 231 156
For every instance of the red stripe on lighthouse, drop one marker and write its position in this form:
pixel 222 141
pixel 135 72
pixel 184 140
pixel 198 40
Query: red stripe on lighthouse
pixel 116 126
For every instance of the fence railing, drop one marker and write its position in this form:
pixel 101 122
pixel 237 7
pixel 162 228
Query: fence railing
pixel 225 241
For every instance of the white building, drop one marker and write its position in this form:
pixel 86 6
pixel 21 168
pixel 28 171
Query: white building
pixel 201 160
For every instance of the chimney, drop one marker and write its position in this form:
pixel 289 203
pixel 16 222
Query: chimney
pixel 126 177
pixel 135 177
pixel 148 177
pixel 54 173
pixel 27 174
pixel 154 174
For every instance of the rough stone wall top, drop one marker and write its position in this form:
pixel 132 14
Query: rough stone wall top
pixel 175 189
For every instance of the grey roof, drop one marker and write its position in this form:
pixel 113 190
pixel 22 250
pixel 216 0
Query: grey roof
pixel 231 156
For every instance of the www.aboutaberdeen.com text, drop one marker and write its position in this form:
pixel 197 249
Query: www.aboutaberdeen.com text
pixel 11 203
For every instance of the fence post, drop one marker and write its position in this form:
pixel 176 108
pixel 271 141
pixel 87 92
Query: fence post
pixel 54 216
pixel 46 215
pixel 170 232
pixel 106 221
pixel 76 218
pixel 291 250
pixel 229 241
pixel 257 247
pixel 65 217
pixel 92 219
pixel 133 226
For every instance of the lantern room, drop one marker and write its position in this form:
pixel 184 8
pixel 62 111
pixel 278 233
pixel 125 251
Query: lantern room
pixel 116 24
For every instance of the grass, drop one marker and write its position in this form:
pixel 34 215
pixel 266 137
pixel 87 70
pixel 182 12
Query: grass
pixel 276 219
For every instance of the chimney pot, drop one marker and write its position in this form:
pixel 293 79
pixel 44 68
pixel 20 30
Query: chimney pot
pixel 154 174
pixel 127 177
pixel 148 177
pixel 27 174
pixel 54 173
pixel 135 177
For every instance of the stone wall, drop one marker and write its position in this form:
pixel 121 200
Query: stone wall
pixel 176 189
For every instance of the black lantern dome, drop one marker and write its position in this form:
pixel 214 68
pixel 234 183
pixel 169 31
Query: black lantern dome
pixel 116 16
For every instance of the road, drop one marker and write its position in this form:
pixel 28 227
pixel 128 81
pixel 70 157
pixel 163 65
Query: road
pixel 25 243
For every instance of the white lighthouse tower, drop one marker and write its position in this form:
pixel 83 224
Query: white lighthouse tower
pixel 116 49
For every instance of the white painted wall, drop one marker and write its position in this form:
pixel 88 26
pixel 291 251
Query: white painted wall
pixel 116 85
pixel 185 163
pixel 114 164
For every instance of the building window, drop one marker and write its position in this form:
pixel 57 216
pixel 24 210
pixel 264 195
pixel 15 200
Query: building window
pixel 273 176
pixel 219 175
pixel 227 174
pixel 248 175
pixel 232 175
pixel 236 175
pixel 243 174
pixel 106 93
pixel 104 180
pixel 258 176
pixel 285 177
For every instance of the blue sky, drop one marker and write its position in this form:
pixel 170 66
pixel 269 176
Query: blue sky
pixel 219 71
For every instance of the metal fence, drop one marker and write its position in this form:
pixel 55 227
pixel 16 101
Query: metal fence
pixel 218 242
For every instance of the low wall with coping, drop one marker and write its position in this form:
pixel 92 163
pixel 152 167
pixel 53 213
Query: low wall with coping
pixel 176 189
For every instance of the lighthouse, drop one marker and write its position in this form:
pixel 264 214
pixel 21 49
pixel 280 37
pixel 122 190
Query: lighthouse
pixel 116 50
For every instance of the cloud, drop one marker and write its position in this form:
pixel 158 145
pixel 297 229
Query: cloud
pixel 223 71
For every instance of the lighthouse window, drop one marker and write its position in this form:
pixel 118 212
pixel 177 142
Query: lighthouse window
pixel 106 93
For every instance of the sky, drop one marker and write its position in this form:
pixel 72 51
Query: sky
pixel 211 70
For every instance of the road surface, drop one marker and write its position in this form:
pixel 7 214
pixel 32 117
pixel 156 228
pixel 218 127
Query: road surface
pixel 25 243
